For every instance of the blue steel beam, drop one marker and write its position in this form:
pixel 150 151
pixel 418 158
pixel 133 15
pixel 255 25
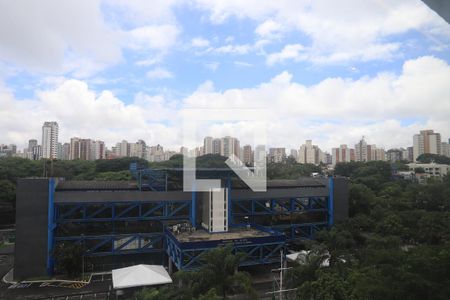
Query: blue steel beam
pixel 50 226
pixel 278 206
pixel 98 242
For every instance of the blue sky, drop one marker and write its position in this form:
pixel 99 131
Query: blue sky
pixel 328 71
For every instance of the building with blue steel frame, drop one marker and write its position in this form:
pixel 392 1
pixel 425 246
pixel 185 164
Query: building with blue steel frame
pixel 122 223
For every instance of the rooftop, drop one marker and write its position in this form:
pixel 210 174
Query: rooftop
pixel 233 233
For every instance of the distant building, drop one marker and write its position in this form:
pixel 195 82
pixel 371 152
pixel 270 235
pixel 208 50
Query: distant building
pixel 310 154
pixel 50 140
pixel 394 155
pixel 277 155
pixel 34 151
pixel 184 151
pixel 362 151
pixel 294 154
pixel 138 149
pixel 216 146
pixel 8 150
pixel 208 145
pixel 74 148
pixel 408 154
pixel 65 151
pixel 247 154
pixel 427 141
pixel 97 150
pixel 259 155
pixel 341 154
pixel 445 149
pixel 230 146
pixel 431 169
pixel 155 153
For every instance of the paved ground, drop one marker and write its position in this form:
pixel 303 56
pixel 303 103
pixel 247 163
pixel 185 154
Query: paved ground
pixel 99 288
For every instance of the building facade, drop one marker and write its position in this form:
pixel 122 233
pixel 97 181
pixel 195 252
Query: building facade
pixel 50 132
pixel 427 141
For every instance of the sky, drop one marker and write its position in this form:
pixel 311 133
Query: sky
pixel 330 71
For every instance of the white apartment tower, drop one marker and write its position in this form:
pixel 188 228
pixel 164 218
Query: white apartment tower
pixel 341 154
pixel 50 140
pixel 310 154
pixel 216 146
pixel 229 146
pixel 362 151
pixel 208 145
pixel 427 141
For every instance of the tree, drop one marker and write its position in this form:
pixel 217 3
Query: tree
pixel 428 158
pixel 361 199
pixel 7 192
pixel 69 258
pixel 225 281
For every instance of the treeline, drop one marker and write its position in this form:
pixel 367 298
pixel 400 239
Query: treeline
pixel 428 158
pixel 395 245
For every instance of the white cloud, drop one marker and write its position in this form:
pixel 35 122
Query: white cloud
pixel 338 30
pixel 39 36
pixel 234 49
pixel 293 52
pixel 269 29
pixel 148 62
pixel 243 64
pixel 340 110
pixel 387 108
pixel 199 42
pixel 82 38
pixel 213 66
pixel 159 73
pixel 159 37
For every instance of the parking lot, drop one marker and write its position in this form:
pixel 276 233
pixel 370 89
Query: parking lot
pixel 98 288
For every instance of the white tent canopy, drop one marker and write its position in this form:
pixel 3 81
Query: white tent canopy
pixel 140 275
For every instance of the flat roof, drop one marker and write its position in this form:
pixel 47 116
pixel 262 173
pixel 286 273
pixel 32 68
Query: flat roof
pixel 234 233
pixel 95 185
pixel 99 185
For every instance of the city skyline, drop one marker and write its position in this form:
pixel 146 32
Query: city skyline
pixel 140 64
pixel 427 141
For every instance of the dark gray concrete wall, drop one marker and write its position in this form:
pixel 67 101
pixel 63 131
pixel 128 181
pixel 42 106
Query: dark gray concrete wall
pixel 31 228
pixel 340 199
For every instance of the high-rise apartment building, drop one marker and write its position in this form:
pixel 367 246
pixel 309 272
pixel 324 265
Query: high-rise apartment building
pixel 365 152
pixel 74 148
pixel 310 154
pixel 247 154
pixel 294 154
pixel 138 149
pixel 427 141
pixel 341 154
pixel 229 146
pixel 216 146
pixel 394 155
pixel 445 149
pixel 156 153
pixel 97 150
pixel 65 151
pixel 34 151
pixel 50 140
pixel 259 156
pixel 208 145
pixel 277 155
pixel 362 151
